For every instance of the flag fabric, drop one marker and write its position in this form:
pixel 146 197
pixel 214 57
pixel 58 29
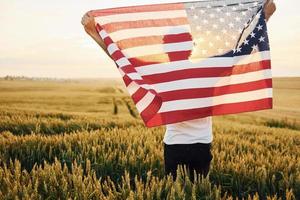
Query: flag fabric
pixel 188 60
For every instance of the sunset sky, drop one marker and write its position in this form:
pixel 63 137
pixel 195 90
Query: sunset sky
pixel 46 39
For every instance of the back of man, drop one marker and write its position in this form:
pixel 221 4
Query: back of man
pixel 188 143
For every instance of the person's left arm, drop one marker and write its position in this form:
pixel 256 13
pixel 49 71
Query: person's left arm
pixel 269 9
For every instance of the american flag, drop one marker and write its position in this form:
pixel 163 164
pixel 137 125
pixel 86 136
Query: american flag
pixel 188 60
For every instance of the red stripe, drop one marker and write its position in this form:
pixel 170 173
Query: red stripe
pixel 160 58
pixel 127 80
pixel 137 9
pixel 128 69
pixel 116 26
pixel 139 94
pixel 151 110
pixel 231 108
pixel 215 91
pixel 207 72
pixel 151 40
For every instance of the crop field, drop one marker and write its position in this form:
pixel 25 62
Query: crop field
pixel 83 139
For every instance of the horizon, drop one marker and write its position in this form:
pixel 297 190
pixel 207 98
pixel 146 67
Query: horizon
pixel 56 46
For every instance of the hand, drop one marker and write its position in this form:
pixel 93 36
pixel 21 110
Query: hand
pixel 88 22
pixel 269 9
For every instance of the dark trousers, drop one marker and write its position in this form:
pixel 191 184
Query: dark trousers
pixel 195 156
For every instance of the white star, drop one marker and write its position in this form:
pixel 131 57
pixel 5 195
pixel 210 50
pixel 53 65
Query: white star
pixel 246 42
pixel 208 6
pixel 215 26
pixel 259 27
pixel 199 40
pixel 219 9
pixel 222 19
pixel 231 25
pixel 252 35
pixel 234 8
pixel 224 31
pixel 211 44
pixel 227 43
pixel 211 15
pixel 244 13
pixel 192 7
pixel 234 50
pixel 202 11
pixel 205 21
pixel 239 49
pixel 237 19
pixel 255 47
pixel 233 37
pixel 258 16
pixel 228 13
pixel 261 39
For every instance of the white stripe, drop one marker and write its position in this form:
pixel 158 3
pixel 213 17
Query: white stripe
pixel 149 31
pixel 123 62
pixel 112 48
pixel 157 49
pixel 132 88
pixel 216 100
pixel 134 76
pixel 126 3
pixel 210 82
pixel 205 63
pixel 103 34
pixel 145 101
pixel 140 16
pixel 121 72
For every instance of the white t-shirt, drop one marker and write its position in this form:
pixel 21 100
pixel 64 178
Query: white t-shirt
pixel 189 132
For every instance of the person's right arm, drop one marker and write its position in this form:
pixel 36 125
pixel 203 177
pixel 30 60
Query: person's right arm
pixel 88 23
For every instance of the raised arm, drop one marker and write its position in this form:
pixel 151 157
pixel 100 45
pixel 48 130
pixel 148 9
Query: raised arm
pixel 269 9
pixel 88 23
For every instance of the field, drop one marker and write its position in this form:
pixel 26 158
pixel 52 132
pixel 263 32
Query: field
pixel 83 139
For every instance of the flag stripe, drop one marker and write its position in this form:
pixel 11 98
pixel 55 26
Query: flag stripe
pixel 149 31
pixel 215 91
pixel 185 104
pixel 150 40
pixel 139 94
pixel 125 17
pixel 142 51
pixel 117 26
pixel 154 68
pixel 208 82
pixel 183 115
pixel 138 9
pixel 159 68
pixel 201 72
pixel 145 101
pixel 160 58
pixel 207 72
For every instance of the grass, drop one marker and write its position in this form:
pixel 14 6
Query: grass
pixel 85 140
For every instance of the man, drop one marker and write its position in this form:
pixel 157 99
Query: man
pixel 187 142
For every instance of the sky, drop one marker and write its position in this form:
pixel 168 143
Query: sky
pixel 46 39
